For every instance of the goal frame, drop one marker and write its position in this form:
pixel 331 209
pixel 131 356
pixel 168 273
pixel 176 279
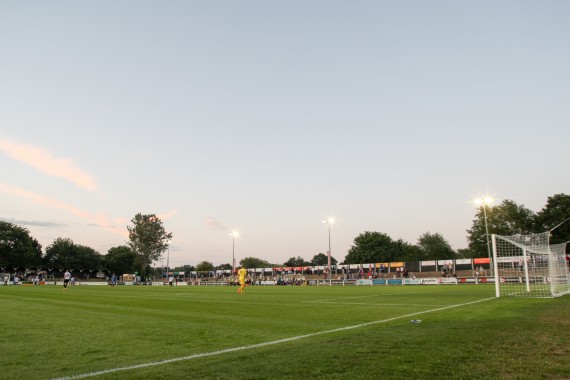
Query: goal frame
pixel 516 272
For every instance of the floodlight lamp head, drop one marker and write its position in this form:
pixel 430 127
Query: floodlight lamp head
pixel 485 201
pixel 234 233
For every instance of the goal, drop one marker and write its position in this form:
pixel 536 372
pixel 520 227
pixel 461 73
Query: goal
pixel 528 266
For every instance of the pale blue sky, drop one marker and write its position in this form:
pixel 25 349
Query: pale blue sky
pixel 270 116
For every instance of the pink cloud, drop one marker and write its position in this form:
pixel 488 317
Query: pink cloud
pixel 45 162
pixel 99 220
pixel 121 221
pixel 167 215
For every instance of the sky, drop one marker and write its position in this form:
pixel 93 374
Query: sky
pixel 271 116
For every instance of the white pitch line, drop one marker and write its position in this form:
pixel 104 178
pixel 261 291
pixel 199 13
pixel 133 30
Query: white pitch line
pixel 372 304
pixel 258 345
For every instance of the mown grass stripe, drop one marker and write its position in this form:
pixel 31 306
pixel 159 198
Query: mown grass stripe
pixel 264 344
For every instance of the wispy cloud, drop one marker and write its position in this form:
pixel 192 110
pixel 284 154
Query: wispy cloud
pixel 44 161
pixel 167 215
pixel 98 220
pixel 116 225
pixel 214 224
pixel 32 223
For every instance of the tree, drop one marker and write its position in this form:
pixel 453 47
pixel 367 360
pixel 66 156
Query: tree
pixel 401 250
pixel 121 259
pixel 254 262
pixel 466 253
pixel 87 257
pixel 297 262
pixel 148 238
pixel 556 211
pixel 371 247
pixel 181 270
pixel 435 247
pixel 508 218
pixel 322 260
pixel 59 253
pixel 204 266
pixel 17 248
pixel 63 253
pixel 188 269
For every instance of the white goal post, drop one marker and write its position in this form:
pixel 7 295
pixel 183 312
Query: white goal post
pixel 528 266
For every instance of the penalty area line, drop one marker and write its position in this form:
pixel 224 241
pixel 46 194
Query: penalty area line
pixel 264 344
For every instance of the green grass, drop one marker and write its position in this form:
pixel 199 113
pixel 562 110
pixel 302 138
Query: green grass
pixel 48 333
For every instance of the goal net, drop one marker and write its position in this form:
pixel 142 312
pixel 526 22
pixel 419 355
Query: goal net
pixel 528 266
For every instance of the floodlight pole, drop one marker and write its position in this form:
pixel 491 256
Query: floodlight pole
pixel 329 253
pixel 329 221
pixel 487 236
pixel 485 202
pixel 233 257
pixel 233 234
pixel 168 261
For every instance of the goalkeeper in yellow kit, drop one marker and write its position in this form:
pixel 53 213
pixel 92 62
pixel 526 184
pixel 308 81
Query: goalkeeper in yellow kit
pixel 242 272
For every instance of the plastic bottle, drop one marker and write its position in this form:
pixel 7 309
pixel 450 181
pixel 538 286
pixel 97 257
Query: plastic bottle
pixel 416 321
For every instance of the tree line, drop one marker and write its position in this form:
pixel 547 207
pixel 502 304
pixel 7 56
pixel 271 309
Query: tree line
pixel 148 240
pixel 506 218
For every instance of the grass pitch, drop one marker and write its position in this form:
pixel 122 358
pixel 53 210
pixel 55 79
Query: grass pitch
pixel 134 332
